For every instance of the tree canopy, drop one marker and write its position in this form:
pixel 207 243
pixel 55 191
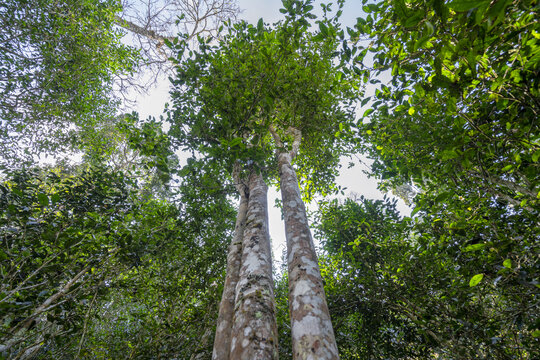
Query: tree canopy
pixel 124 253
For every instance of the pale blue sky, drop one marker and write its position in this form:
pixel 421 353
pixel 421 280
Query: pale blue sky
pixel 269 10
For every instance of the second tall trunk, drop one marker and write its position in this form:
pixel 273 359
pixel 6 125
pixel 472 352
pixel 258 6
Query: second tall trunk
pixel 311 328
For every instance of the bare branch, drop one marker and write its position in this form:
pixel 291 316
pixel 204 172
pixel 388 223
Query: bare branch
pixel 151 22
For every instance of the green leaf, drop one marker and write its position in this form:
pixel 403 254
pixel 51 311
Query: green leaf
pixel 55 198
pixel 414 19
pixel 475 247
pixel 416 210
pixel 260 25
pixel 449 154
pixel 323 28
pixel 235 142
pixel 466 5
pixel 367 112
pixel 507 263
pixel 431 28
pixel 475 280
pixel 43 199
pixel 440 9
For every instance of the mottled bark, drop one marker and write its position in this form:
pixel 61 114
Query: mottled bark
pixel 311 328
pixel 254 333
pixel 222 342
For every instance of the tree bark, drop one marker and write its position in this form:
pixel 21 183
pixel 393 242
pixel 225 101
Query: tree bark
pixel 311 328
pixel 254 333
pixel 222 341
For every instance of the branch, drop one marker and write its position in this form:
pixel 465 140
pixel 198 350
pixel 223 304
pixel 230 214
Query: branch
pixel 150 34
pixel 275 135
pixel 297 134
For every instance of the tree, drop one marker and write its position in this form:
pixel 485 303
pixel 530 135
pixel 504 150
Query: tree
pixel 396 291
pixel 457 122
pixel 91 268
pixel 58 60
pixel 373 276
pixel 167 304
pixel 58 248
pixel 260 92
pixel 153 24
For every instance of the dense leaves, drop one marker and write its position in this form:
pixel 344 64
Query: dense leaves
pixel 457 121
pixel 166 306
pixel 61 236
pixel 229 96
pixel 57 64
pixel 395 293
pixel 124 255
pixel 84 256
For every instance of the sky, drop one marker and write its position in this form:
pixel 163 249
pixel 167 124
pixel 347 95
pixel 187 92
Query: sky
pixel 353 179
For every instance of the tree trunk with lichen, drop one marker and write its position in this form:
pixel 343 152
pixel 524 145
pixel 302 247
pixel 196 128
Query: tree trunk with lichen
pixel 222 341
pixel 311 328
pixel 254 332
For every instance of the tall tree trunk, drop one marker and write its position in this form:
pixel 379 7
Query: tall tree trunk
pixel 254 333
pixel 222 342
pixel 311 328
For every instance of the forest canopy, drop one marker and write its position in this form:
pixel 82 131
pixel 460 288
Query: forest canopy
pixel 148 238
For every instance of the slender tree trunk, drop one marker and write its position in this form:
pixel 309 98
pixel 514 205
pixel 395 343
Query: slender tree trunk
pixel 222 342
pixel 311 328
pixel 254 333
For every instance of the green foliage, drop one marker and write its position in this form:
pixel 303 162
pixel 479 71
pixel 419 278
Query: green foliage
pixel 167 305
pixel 227 96
pixel 55 228
pixel 398 293
pixel 150 270
pixel 366 245
pixel 115 261
pixel 57 64
pixel 139 149
pixel 458 120
pixel 463 98
pixel 281 294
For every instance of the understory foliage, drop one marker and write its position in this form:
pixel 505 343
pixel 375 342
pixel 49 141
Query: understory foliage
pixel 145 268
pixel 123 256
pixel 399 289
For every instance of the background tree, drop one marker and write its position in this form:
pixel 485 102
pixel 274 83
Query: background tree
pixel 457 121
pixel 57 253
pixel 87 263
pixel 395 293
pixel 154 23
pixel 166 306
pixel 57 63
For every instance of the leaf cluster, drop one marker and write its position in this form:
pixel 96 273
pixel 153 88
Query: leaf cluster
pixel 57 65
pixel 228 94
